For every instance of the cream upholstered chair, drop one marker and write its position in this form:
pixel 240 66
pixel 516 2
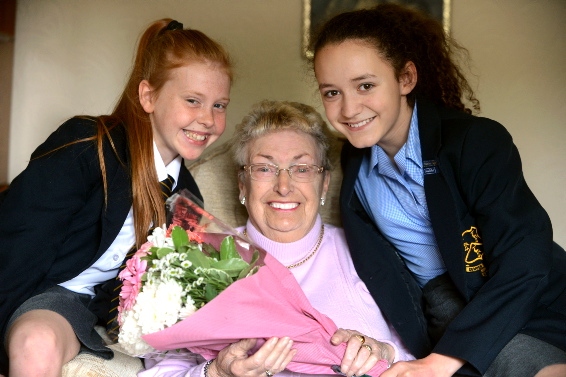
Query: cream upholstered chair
pixel 85 364
pixel 216 176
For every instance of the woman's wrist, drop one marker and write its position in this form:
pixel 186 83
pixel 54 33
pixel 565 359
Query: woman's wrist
pixel 207 368
pixel 390 353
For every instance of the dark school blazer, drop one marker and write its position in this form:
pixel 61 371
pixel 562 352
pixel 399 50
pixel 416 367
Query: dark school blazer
pixel 494 237
pixel 54 223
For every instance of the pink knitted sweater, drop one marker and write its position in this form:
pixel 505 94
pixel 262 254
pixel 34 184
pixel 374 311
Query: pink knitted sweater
pixel 330 282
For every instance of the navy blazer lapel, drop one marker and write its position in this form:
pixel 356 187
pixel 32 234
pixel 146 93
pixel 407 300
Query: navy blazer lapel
pixel 186 181
pixel 119 204
pixel 119 188
pixel 441 206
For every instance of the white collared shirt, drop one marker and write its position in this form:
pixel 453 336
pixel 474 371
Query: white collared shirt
pixel 106 267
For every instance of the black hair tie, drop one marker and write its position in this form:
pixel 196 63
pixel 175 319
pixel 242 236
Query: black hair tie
pixel 174 25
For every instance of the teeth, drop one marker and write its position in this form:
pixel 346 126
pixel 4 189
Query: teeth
pixel 195 136
pixel 284 205
pixel 359 124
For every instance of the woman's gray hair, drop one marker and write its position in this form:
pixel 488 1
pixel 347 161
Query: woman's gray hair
pixel 267 117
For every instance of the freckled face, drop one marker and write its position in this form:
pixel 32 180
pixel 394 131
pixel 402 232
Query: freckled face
pixel 283 210
pixel 189 112
pixel 362 97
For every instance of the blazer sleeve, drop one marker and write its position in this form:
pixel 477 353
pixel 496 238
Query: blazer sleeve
pixel 36 215
pixel 517 241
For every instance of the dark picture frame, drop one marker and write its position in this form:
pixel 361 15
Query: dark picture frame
pixel 316 12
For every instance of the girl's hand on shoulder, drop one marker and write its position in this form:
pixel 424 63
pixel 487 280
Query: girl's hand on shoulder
pixel 434 365
pixel 271 358
pixel 362 352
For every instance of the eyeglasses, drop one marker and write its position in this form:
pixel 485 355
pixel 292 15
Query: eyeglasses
pixel 298 172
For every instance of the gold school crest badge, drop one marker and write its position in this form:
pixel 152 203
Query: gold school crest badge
pixel 473 248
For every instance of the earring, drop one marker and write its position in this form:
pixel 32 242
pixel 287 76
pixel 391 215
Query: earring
pixel 322 201
pixel 243 200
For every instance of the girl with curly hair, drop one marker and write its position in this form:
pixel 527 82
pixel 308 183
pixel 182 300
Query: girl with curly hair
pixel 442 227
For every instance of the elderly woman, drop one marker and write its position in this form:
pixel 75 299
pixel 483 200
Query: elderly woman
pixel 285 171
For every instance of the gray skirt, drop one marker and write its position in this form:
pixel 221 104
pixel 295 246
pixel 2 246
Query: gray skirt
pixel 73 307
pixel 523 356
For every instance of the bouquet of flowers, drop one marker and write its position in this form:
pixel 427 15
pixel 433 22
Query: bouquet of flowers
pixel 178 271
pixel 200 285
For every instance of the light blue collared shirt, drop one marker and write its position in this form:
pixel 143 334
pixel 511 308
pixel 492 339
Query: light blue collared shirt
pixel 392 193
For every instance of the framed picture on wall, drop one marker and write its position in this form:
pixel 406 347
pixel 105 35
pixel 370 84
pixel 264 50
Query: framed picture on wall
pixel 316 12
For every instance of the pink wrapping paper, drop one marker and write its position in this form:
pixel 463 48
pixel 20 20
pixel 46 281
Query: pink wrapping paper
pixel 267 304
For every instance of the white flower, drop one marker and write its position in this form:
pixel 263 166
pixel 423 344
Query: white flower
pixel 185 263
pixel 188 309
pixel 173 272
pixel 130 335
pixel 157 306
pixel 171 258
pixel 159 239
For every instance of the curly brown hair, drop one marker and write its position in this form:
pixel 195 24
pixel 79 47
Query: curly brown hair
pixel 401 34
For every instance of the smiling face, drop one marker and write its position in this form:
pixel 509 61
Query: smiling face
pixel 283 210
pixel 189 112
pixel 362 97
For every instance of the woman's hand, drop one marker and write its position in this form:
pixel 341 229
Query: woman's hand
pixel 271 358
pixel 434 365
pixel 362 352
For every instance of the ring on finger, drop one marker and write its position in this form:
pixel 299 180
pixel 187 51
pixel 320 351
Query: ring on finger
pixel 368 347
pixel 361 338
pixel 269 373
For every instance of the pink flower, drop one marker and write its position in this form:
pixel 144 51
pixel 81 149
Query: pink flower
pixel 131 278
pixel 194 236
pixel 144 249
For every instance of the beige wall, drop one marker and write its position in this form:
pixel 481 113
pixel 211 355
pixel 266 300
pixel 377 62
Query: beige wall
pixel 6 66
pixel 518 50
pixel 72 56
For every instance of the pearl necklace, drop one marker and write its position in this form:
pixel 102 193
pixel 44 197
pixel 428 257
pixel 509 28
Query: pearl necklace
pixel 313 252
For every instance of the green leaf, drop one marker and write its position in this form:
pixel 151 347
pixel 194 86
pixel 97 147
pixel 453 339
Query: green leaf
pixel 180 237
pixel 245 272
pixel 253 271
pixel 228 249
pixel 163 251
pixel 218 276
pixel 150 257
pixel 198 259
pixel 255 257
pixel 210 292
pixel 210 250
pixel 232 266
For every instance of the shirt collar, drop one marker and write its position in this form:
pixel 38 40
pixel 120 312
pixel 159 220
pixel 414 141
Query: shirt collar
pixel 411 150
pixel 172 169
